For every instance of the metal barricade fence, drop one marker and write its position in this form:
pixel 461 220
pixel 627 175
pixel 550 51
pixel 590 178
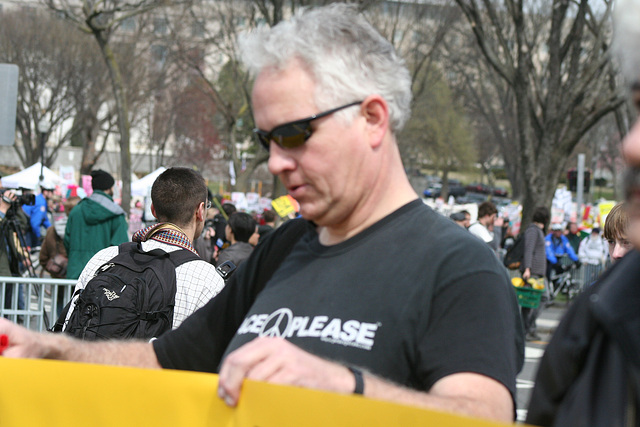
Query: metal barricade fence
pixel 34 302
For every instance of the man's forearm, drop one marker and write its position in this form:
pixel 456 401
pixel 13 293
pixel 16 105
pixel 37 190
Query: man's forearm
pixel 465 393
pixel 123 353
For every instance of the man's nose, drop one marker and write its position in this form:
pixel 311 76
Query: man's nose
pixel 280 159
pixel 631 145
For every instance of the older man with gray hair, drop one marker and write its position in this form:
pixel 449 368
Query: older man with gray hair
pixel 372 297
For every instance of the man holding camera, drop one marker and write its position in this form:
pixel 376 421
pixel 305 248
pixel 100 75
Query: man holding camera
pixel 12 254
pixel 5 204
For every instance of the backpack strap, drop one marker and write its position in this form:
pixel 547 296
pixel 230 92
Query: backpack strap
pixel 182 256
pixel 178 257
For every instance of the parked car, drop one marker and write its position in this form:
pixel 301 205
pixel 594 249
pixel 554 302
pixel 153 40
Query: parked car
pixel 436 190
pixel 476 187
pixel 500 192
pixel 472 198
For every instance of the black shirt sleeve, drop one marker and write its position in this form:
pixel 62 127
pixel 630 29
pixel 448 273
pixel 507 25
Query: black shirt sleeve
pixel 200 341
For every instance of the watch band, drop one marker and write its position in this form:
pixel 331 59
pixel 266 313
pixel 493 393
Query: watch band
pixel 357 375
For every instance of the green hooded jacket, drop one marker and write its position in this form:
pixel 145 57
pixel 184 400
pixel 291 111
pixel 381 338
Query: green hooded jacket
pixel 94 224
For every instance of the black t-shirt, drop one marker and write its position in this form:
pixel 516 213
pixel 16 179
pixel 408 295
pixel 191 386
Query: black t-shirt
pixel 413 298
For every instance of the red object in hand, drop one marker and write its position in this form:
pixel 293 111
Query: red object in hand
pixel 4 343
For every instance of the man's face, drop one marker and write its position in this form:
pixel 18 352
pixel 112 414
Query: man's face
pixel 489 220
pixel 631 151
pixel 327 175
pixel 573 228
pixel 467 220
pixel 557 233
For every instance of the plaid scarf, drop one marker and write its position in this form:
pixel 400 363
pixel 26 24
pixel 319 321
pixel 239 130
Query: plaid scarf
pixel 164 232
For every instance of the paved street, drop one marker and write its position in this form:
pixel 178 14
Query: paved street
pixel 547 322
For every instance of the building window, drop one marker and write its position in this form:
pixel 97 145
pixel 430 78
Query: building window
pixel 159 54
pixel 160 26
pixel 128 24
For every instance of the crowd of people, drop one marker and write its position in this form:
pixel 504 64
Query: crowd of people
pixel 351 297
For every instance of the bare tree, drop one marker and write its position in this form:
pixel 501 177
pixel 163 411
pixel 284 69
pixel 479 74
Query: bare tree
pixel 417 30
pixel 488 101
pixel 554 57
pixel 46 52
pixel 440 129
pixel 101 19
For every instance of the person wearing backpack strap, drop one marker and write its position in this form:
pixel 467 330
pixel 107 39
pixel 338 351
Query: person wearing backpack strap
pixel 179 202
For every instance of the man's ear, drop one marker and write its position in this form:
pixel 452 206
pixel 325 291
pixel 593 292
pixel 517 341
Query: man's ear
pixel 153 211
pixel 376 113
pixel 200 213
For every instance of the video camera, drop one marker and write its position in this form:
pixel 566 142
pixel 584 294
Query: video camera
pixel 21 198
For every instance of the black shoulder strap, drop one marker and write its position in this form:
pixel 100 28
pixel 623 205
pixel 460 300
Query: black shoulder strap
pixel 178 257
pixel 181 256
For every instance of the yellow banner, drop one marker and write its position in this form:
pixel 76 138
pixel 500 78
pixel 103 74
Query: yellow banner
pixel 52 393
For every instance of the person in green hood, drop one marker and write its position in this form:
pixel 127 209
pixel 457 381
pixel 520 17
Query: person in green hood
pixel 94 224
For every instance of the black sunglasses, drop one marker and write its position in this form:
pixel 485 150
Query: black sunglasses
pixel 295 133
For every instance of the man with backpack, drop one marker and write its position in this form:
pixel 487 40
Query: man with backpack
pixel 179 202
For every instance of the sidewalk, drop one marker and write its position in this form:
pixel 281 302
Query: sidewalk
pixel 547 323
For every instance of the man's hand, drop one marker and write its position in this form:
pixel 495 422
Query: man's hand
pixel 23 343
pixel 526 274
pixel 278 361
pixel 5 201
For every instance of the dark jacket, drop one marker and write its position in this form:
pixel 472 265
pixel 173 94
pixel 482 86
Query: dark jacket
pixel 235 253
pixel 590 373
pixel 52 245
pixel 94 224
pixel 534 256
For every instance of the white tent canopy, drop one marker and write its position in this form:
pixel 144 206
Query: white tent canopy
pixel 30 177
pixel 141 187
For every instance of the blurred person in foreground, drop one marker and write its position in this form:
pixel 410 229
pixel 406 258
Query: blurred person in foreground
pixel 590 373
pixel 425 322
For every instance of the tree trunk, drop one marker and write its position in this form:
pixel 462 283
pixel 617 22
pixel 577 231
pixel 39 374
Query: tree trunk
pixel 123 117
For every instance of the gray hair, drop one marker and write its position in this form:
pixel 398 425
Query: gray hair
pixel 627 38
pixel 347 58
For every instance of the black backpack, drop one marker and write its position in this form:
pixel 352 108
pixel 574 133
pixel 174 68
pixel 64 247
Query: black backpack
pixel 515 254
pixel 131 296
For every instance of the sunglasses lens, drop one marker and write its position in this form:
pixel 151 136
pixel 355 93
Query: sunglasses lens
pixel 292 135
pixel 262 139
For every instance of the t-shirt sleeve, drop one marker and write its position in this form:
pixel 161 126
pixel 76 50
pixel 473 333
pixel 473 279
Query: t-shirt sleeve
pixel 199 343
pixel 475 322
